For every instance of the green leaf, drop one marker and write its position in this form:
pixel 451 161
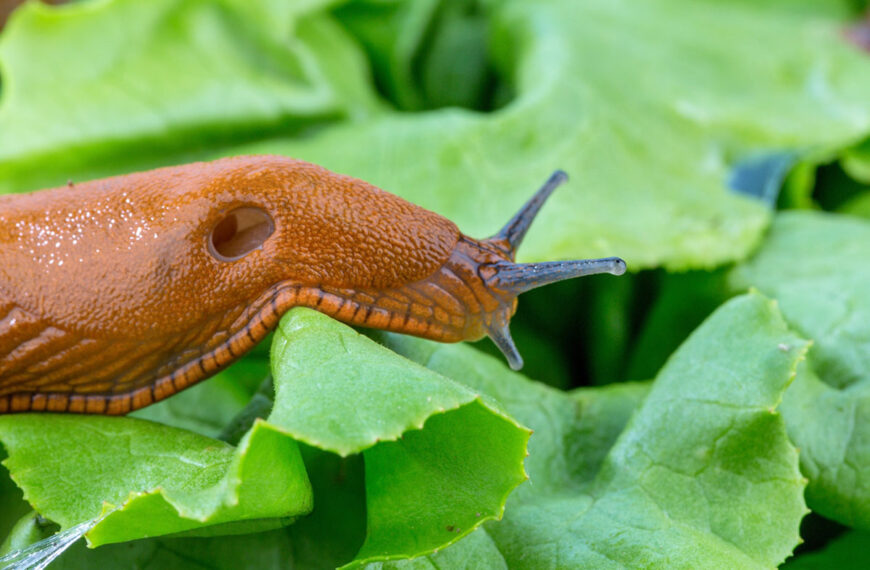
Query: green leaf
pixel 856 161
pixel 275 550
pixel 703 470
pixel 857 206
pixel 163 81
pixel 145 479
pixel 424 54
pixel 818 268
pixel 306 548
pixel 703 474
pixel 797 189
pixel 28 530
pixel 600 416
pixel 439 459
pixel 331 384
pixel 334 532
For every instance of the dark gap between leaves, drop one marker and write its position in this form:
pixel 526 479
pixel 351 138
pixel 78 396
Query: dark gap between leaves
pixel 450 64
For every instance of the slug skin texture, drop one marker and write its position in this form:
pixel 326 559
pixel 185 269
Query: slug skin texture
pixel 120 292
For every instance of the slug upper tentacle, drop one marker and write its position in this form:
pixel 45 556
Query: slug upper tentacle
pixel 118 293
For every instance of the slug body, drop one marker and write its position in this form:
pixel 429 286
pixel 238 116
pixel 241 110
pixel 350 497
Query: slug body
pixel 120 292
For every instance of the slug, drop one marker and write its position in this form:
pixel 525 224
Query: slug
pixel 120 292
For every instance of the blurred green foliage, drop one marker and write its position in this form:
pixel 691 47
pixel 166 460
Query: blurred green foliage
pixel 720 147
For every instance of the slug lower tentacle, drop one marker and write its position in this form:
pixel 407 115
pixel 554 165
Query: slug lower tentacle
pixel 118 293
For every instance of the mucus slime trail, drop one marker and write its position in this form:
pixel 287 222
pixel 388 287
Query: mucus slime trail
pixel 120 292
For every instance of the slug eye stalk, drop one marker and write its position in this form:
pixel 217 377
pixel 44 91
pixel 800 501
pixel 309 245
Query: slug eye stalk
pixel 510 279
pixel 515 230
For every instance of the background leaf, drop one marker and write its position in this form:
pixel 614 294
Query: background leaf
pixel 659 135
pixel 703 473
pixel 857 161
pixel 158 82
pixel 665 140
pixel 445 460
pixel 640 488
pixel 816 266
pixel 164 480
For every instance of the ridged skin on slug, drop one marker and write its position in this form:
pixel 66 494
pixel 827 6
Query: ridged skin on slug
pixel 107 287
pixel 117 293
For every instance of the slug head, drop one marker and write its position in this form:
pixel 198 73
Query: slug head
pixel 505 279
pixel 382 263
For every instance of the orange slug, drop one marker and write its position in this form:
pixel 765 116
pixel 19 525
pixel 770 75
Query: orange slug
pixel 120 292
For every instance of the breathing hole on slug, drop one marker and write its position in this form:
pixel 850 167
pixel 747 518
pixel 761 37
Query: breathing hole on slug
pixel 239 233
